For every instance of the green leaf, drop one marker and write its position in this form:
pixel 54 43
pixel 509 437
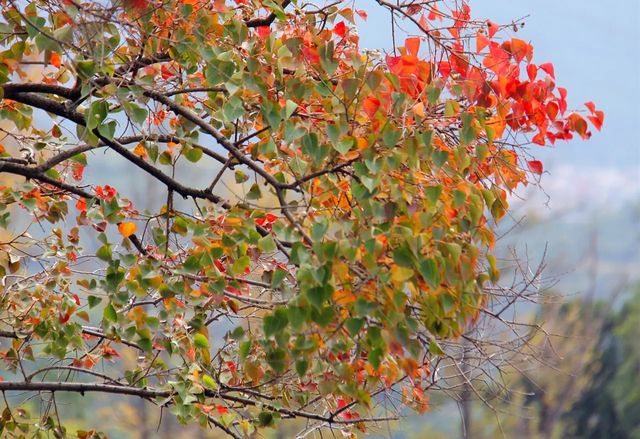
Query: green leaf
pixel 317 296
pixel 344 146
pixel 254 192
pixel 209 382
pixel 301 367
pixel 289 108
pixel 433 93
pixel 245 348
pixel 93 301
pixel 240 265
pixel 454 250
pixel 327 60
pixel 468 131
pixel 277 360
pixel 403 256
pixel 96 114
pixel 200 341
pixel 110 314
pixel 276 322
pixel 435 348
pixel 240 176
pixel 267 244
pixel 108 129
pixel 104 253
pixel 86 68
pixel 354 325
pixel 439 157
pixel 448 302
pixel 429 272
pixel 265 419
pixel 193 154
pixel 137 114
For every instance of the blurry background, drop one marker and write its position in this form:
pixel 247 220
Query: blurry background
pixel 583 223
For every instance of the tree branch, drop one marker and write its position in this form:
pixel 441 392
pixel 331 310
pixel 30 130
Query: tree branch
pixel 266 21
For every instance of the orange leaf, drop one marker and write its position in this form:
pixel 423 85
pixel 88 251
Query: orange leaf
pixel 55 59
pixel 140 151
pixel 481 42
pixel 412 45
pixel 81 205
pixel 370 105
pixel 532 71
pixel 126 229
pixel 521 50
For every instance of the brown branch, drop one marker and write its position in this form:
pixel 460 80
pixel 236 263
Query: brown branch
pixel 36 174
pixel 85 329
pixel 265 21
pixel 213 132
pixel 6 386
pixel 58 90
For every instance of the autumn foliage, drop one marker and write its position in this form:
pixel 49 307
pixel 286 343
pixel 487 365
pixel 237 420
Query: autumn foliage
pixel 362 235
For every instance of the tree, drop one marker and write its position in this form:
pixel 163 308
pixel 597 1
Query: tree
pixel 359 245
pixel 608 407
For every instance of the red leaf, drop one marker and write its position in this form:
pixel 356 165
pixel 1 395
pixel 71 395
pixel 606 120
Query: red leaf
pixel 552 110
pixel 535 166
pixel 493 28
pixel 77 170
pixel 362 13
pixel 597 120
pixel 340 29
pixel 538 139
pixel 219 265
pixel 563 92
pixel 591 106
pixel 137 4
pixel 166 72
pixel 579 125
pixel 548 67
pixel 532 71
pixel 263 32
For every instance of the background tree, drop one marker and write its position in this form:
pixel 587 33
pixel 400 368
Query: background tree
pixel 355 253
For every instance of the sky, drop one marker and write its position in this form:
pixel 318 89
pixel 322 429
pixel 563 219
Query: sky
pixel 595 48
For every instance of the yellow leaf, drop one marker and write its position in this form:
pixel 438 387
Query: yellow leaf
pixel 418 109
pixel 127 229
pixel 401 274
